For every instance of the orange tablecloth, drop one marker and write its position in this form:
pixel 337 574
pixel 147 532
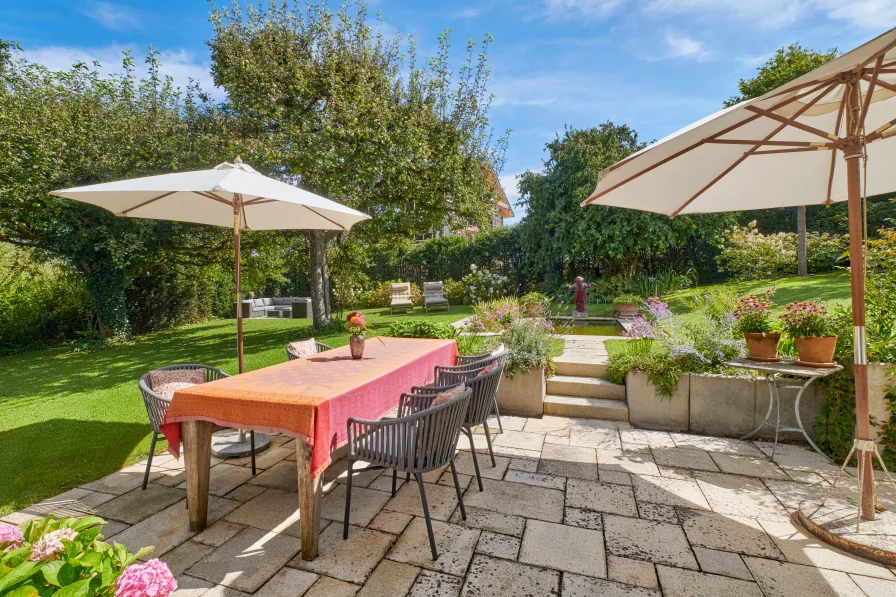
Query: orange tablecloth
pixel 312 398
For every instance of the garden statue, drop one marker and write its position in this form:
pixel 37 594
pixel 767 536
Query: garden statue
pixel 580 296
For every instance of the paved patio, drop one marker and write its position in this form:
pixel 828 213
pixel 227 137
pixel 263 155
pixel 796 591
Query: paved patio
pixel 575 507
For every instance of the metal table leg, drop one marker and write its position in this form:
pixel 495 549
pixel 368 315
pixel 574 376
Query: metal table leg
pixel 771 402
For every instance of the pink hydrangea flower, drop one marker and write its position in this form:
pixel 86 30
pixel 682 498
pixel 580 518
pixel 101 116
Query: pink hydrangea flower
pixel 11 536
pixel 46 548
pixel 152 579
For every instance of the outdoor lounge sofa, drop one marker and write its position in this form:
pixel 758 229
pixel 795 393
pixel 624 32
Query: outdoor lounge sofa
pixel 401 298
pixel 434 296
pixel 287 307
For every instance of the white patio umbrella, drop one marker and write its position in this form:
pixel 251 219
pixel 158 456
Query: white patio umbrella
pixel 227 195
pixel 802 144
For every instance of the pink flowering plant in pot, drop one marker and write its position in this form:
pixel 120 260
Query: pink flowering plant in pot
pixel 754 320
pixel 66 556
pixel 811 327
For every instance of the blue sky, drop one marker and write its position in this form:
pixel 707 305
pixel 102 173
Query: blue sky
pixel 655 65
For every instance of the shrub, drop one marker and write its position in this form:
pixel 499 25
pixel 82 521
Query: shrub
pixel 421 328
pixel 482 284
pixel 495 315
pixel 65 555
pixel 664 281
pixel 666 345
pixel 747 254
pixel 530 344
pixel 457 293
pixel 535 304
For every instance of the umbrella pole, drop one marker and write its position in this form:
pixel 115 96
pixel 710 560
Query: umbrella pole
pixel 852 154
pixel 237 203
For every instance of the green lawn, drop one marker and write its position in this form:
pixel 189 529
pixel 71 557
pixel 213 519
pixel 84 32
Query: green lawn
pixel 830 288
pixel 67 418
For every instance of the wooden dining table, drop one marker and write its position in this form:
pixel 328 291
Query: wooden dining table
pixel 310 399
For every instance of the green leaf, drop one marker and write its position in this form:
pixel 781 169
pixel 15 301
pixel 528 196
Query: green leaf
pixel 26 591
pixel 78 589
pixel 51 572
pixel 19 574
pixel 87 522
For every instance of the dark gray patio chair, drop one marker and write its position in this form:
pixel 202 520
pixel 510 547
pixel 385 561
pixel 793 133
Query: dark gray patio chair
pixel 321 347
pixel 157 405
pixel 484 388
pixel 417 443
pixel 462 370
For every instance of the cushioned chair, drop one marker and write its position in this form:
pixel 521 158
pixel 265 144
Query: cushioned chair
pixel 401 298
pixel 484 387
pixel 462 361
pixel 321 347
pixel 416 443
pixel 157 405
pixel 434 296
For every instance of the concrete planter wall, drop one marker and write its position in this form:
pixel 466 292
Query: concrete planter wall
pixel 523 395
pixel 716 405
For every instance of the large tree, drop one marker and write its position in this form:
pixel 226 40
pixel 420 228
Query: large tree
pixel 786 65
pixel 342 111
pixel 559 236
pixel 78 127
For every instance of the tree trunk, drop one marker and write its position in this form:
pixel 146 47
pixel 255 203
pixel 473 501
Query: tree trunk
pixel 802 268
pixel 317 242
pixel 326 276
pixel 106 284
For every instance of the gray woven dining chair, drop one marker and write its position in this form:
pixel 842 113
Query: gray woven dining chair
pixel 157 405
pixel 484 388
pixel 321 347
pixel 466 367
pixel 417 443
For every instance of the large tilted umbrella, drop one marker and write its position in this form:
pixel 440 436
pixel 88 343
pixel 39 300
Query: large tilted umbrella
pixel 801 144
pixel 228 195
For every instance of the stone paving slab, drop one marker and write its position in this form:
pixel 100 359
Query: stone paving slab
pixel 671 514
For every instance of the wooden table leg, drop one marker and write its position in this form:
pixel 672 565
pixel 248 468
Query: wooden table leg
pixel 309 500
pixel 197 436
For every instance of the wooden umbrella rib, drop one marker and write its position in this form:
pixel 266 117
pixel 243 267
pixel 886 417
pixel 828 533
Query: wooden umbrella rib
pixel 777 106
pixel 871 84
pixel 215 198
pixel 153 200
pixel 793 123
pixel 324 217
pixel 840 111
pixel 795 150
pixel 810 144
pixel 747 154
pixel 884 84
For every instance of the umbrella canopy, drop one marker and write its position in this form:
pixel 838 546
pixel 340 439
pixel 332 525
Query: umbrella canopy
pixel 800 144
pixel 207 197
pixel 732 160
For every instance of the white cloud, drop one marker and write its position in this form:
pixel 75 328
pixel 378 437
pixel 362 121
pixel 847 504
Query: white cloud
pixel 468 13
pixel 682 46
pixel 181 65
pixel 868 14
pixel 578 9
pixel 111 16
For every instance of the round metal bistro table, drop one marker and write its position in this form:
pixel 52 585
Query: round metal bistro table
pixel 773 372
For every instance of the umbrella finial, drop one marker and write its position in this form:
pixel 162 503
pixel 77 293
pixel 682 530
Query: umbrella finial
pixel 237 160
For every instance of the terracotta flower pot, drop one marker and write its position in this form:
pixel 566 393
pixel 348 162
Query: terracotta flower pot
pixel 763 347
pixel 816 351
pixel 628 309
pixel 356 344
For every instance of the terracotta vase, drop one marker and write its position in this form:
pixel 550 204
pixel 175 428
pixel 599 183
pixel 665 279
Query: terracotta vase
pixel 763 347
pixel 356 344
pixel 628 309
pixel 816 350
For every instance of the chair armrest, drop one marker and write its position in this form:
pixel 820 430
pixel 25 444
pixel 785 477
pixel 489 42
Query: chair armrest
pixel 415 402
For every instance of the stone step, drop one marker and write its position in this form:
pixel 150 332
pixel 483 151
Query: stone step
pixel 585 408
pixel 580 365
pixel 585 387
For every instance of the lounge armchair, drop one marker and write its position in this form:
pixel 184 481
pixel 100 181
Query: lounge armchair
pixel 434 296
pixel 401 298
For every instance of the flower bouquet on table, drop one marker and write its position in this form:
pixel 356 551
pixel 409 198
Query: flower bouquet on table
pixel 51 555
pixel 754 320
pixel 811 328
pixel 356 325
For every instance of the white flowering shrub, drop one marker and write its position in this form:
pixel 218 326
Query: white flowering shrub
pixel 483 285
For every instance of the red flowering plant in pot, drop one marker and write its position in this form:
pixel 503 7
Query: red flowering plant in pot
pixel 811 328
pixel 754 320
